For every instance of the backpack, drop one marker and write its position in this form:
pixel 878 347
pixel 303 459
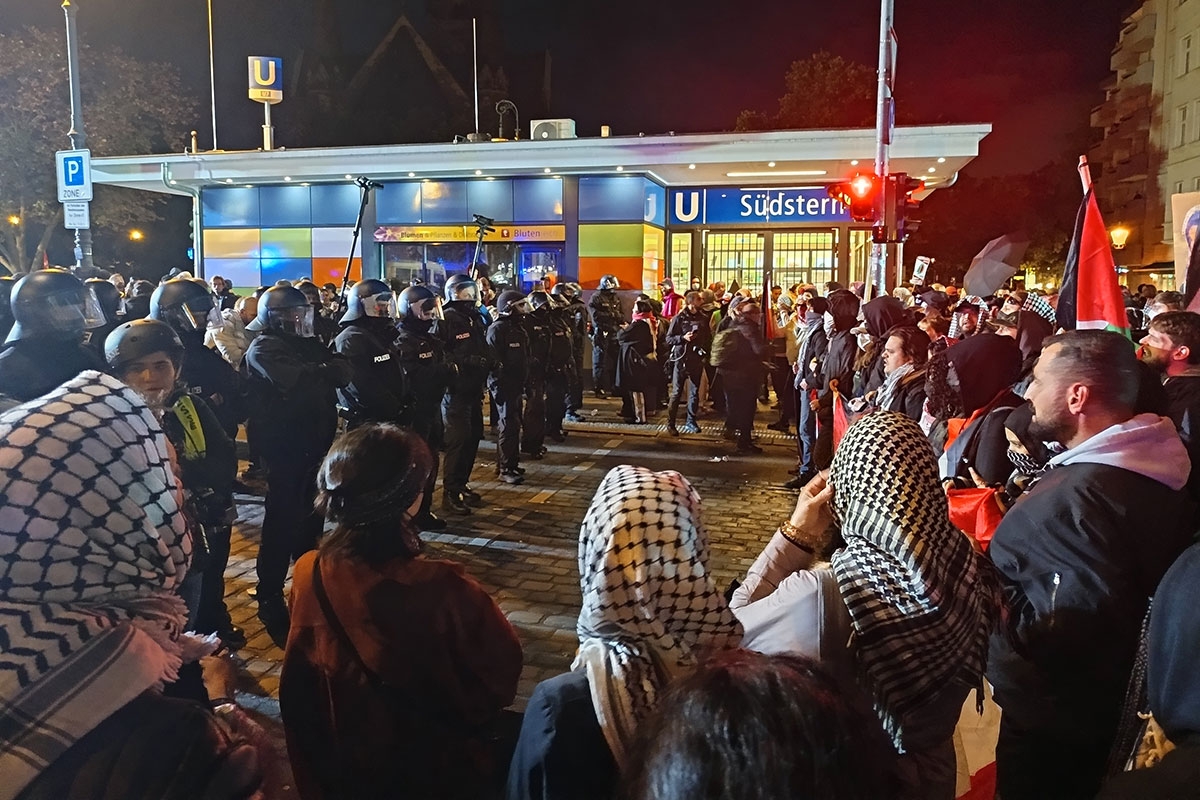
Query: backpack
pixel 728 348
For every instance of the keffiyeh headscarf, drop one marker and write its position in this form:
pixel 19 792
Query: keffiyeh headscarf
pixel 919 597
pixel 93 546
pixel 649 602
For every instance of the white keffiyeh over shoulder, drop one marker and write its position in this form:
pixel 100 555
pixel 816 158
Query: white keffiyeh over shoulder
pixel 92 545
pixel 649 602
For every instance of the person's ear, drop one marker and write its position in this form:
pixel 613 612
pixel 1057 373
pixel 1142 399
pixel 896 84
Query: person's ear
pixel 1181 353
pixel 1078 395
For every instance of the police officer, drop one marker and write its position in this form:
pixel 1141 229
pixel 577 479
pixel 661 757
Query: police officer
pixel 690 339
pixel 109 299
pixel 146 354
pixel 533 420
pixel 7 282
pixel 422 359
pixel 190 309
pixel 377 392
pixel 509 344
pixel 559 367
pixel 44 348
pixel 465 336
pixel 576 314
pixel 293 380
pixel 607 320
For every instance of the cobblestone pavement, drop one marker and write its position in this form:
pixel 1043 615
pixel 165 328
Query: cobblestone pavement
pixel 522 545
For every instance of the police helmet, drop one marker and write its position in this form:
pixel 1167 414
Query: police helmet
pixel 369 298
pixel 416 300
pixel 138 339
pixel 284 309
pixel 461 287
pixel 511 301
pixel 539 299
pixel 7 282
pixel 609 282
pixel 107 295
pixel 52 302
pixel 185 305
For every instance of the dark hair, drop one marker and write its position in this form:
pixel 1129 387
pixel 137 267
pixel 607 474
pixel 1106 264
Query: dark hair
pixel 1182 328
pixel 1172 300
pixel 818 305
pixel 641 306
pixel 747 726
pixel 1102 360
pixel 939 324
pixel 368 481
pixel 913 341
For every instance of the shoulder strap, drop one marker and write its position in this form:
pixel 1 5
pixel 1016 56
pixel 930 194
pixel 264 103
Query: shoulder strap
pixel 332 618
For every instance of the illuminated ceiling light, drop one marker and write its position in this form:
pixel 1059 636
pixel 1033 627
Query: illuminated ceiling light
pixel 173 181
pixel 933 169
pixel 229 180
pixel 776 173
pixel 941 161
pixel 478 172
pixel 770 163
pixel 349 177
pixel 620 169
pixel 546 170
pixel 249 185
pixel 854 162
pixel 490 178
pixel 287 178
pixel 304 184
pixel 691 166
pixel 412 174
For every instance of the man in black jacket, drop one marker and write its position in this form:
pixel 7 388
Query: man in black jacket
pixel 1075 569
pixel 1172 347
pixel 509 344
pixel 293 381
pixel 421 353
pixel 807 369
pixel 45 345
pixel 377 392
pixel 465 337
pixel 607 321
pixel 690 338
pixel 743 375
pixel 576 314
pixel 838 366
pixel 533 421
pixel 560 367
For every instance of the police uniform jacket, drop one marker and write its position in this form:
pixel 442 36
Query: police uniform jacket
pixel 422 358
pixel 606 311
pixel 377 391
pixel 562 342
pixel 465 336
pixel 537 327
pixel 210 377
pixel 509 344
pixel 31 367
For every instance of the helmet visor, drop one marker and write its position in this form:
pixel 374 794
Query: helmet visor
pixel 382 305
pixel 194 315
pixel 467 291
pixel 296 320
pixel 63 312
pixel 429 309
pixel 93 312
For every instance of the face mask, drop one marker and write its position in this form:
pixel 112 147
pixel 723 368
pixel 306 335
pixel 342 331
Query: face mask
pixel 864 340
pixel 1026 464
pixel 827 323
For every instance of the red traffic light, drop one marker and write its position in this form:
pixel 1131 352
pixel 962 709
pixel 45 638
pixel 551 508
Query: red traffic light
pixel 859 194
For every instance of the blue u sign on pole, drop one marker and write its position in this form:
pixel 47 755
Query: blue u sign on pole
pixel 266 79
pixel 730 206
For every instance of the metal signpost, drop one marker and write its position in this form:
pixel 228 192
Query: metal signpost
pixel 266 87
pixel 885 118
pixel 74 166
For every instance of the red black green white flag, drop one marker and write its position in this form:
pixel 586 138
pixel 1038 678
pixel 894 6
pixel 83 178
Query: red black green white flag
pixel 1090 298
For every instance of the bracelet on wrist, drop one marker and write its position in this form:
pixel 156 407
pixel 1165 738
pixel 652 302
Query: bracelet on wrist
pixel 794 535
pixel 217 702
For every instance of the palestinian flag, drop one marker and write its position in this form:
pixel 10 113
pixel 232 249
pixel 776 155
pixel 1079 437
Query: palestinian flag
pixel 1090 298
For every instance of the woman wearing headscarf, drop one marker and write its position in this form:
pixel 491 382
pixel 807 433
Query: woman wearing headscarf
pixel 650 613
pixel 838 366
pixel 879 316
pixel 396 665
pixel 95 552
pixel 638 372
pixel 903 588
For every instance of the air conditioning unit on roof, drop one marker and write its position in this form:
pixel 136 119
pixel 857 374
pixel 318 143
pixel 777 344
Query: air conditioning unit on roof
pixel 540 129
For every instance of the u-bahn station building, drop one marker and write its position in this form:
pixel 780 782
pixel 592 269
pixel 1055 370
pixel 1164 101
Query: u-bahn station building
pixel 720 207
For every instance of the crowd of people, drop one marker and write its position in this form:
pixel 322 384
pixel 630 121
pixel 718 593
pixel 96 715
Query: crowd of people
pixel 980 500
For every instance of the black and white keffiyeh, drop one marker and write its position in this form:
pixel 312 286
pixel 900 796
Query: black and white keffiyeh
pixel 649 602
pixel 919 596
pixel 93 544
pixel 1041 306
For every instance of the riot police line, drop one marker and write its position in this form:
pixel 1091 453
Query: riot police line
pixel 412 358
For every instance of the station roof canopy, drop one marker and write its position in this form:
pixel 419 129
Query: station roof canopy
pixel 782 158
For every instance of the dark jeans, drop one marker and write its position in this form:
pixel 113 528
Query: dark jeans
pixel 680 377
pixel 427 423
pixel 557 388
pixel 508 439
pixel 605 352
pixel 462 417
pixel 212 615
pixel 741 398
pixel 781 383
pixel 575 380
pixel 806 438
pixel 533 421
pixel 290 525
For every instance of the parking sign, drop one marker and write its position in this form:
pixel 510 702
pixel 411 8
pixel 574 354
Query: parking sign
pixel 74 170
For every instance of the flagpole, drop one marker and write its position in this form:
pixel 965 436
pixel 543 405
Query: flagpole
pixel 1085 174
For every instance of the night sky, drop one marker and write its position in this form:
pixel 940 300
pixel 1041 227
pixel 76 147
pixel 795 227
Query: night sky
pixel 1030 68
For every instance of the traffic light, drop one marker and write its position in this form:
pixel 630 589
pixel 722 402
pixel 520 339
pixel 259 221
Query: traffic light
pixel 899 205
pixel 860 194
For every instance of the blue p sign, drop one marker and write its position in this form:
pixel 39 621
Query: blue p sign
pixel 73 171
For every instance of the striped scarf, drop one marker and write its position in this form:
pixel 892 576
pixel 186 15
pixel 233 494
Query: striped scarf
pixel 920 598
pixel 649 602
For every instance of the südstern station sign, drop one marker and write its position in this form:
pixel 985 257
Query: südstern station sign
pixel 725 206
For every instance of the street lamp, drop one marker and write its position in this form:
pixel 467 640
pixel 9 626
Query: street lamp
pixel 136 235
pixel 1119 236
pixel 13 219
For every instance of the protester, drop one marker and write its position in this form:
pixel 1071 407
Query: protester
pixel 905 353
pixel 741 357
pixel 1172 348
pixel 637 367
pixel 812 345
pixel 901 581
pixel 650 610
pixel 751 727
pixel 97 631
pixel 1076 574
pixel 838 367
pixel 879 316
pixel 396 664
pixel 672 301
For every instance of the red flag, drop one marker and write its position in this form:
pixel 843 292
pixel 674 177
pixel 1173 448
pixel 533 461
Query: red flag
pixel 1091 294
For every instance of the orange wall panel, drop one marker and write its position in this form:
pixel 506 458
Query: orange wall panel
pixel 627 269
pixel 329 270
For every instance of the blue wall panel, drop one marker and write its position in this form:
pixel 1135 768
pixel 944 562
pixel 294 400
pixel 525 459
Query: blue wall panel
pixel 444 201
pixel 335 203
pixel 537 199
pixel 490 198
pixel 285 206
pixel 287 269
pixel 230 208
pixel 612 199
pixel 398 204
